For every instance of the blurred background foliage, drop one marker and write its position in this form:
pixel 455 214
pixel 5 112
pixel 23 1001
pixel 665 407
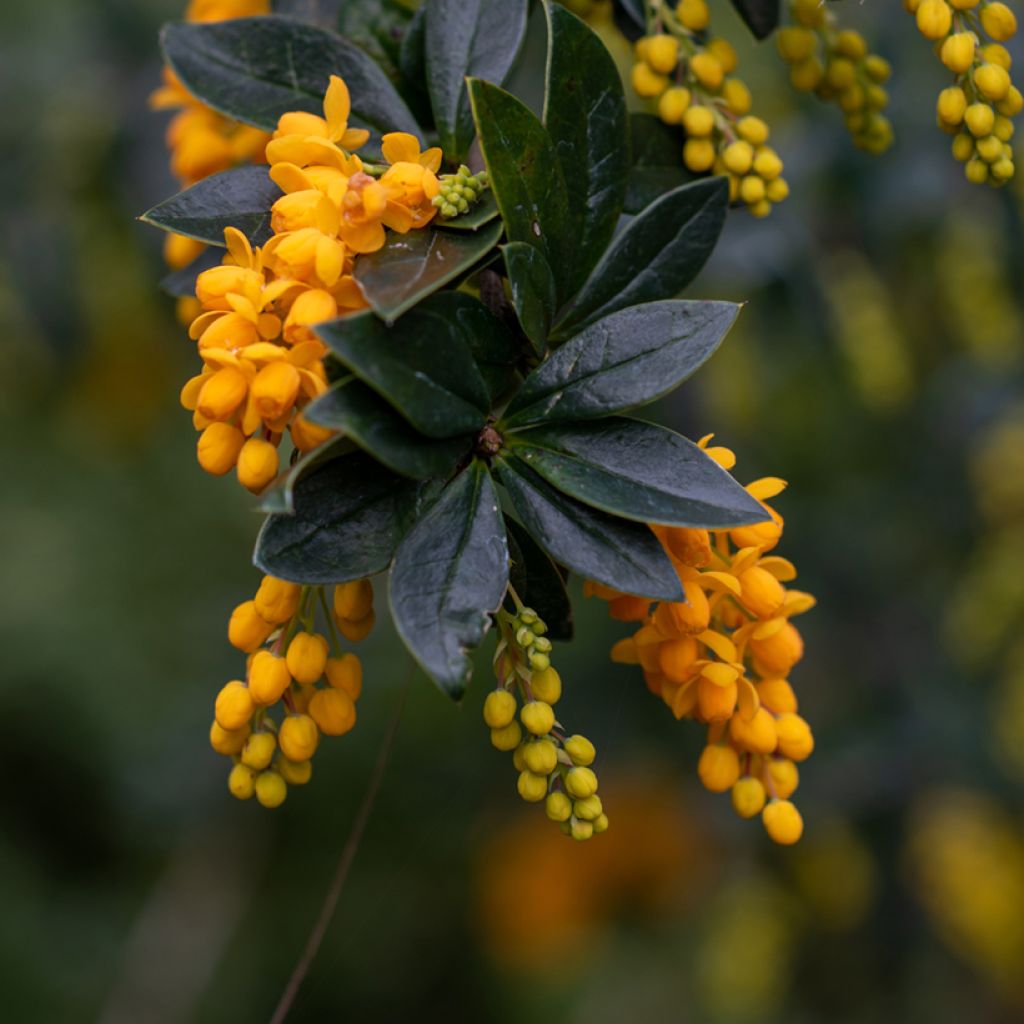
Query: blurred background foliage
pixel 877 367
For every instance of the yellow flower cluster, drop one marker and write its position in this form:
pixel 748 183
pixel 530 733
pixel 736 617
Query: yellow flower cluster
pixel 552 767
pixel 203 142
pixel 691 77
pixel 835 64
pixel 722 656
pixel 262 363
pixel 293 664
pixel 977 108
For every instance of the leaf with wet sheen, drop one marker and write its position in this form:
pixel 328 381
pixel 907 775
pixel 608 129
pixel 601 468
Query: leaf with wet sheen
pixel 538 582
pixel 761 16
pixel 533 291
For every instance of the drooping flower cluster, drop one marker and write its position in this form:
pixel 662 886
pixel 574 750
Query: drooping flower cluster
pixel 690 75
pixel 836 65
pixel 723 656
pixel 293 665
pixel 553 767
pixel 977 108
pixel 262 363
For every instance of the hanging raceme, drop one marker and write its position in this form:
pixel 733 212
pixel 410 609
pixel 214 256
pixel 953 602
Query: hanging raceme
pixel 426 359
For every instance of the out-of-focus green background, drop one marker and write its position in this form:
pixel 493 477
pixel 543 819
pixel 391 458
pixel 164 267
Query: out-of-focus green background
pixel 877 367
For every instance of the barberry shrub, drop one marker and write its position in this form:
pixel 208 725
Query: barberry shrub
pixel 429 363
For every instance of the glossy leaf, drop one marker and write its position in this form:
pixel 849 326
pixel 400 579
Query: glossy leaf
pixel 638 471
pixel 533 291
pixel 585 115
pixel 623 361
pixel 482 212
pixel 256 69
pixel 349 516
pixel 655 256
pixel 412 266
pixel 280 496
pixel 635 10
pixel 412 55
pixel 422 366
pixel 315 12
pixel 761 16
pixel 450 574
pixel 656 167
pixel 617 552
pixel 475 38
pixel 538 582
pixel 526 178
pixel 182 283
pixel 240 198
pixel 364 416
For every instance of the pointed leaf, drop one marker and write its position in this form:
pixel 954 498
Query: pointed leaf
pixel 617 552
pixel 761 16
pixel 638 471
pixel 538 582
pixel 656 256
pixel 450 574
pixel 256 69
pixel 656 167
pixel 280 496
pixel 349 516
pixel 182 283
pixel 623 361
pixel 240 198
pixel 585 115
pixel 477 38
pixel 412 266
pixel 533 291
pixel 356 409
pixel 422 366
pixel 526 177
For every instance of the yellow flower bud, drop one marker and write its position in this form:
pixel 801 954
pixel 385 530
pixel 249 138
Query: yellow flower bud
pixel 532 788
pixel 295 773
pixel 957 51
pixel 241 782
pixel 993 82
pixel 508 737
pixel 218 447
pixel 305 435
pixel 540 757
pixel 311 307
pixel 275 389
pixel 809 12
pixel 333 711
pixel 698 121
pixel 707 70
pixel 673 104
pixel 537 717
pixel 298 737
pixel 795 43
pixel 546 685
pixel 778 653
pixel 990 149
pixel 558 806
pixel 259 750
pixel 499 709
pixel 760 209
pixel 976 171
pixel 662 53
pixel 247 629
pixel 1002 170
pixel 234 706
pixel 758 736
pixel 693 14
pixel 1012 103
pixel 353 600
pixel 751 189
pixel 589 809
pixel 357 630
pixel 807 75
pixel 762 594
pixel 268 678
pixel 748 797
pixel 782 820
pixel 767 164
pixel 647 83
pixel 738 156
pixel 785 777
pixel 257 464
pixel 777 695
pixel 980 119
pixel 963 147
pixel 737 96
pixel 180 250
pixel 996 54
pixel 722 50
pixel 934 19
pixel 952 105
pixel 601 824
pixel 1003 129
pixel 581 831
pixel 228 741
pixel 223 392
pixel 271 789
pixel 718 767
pixel 795 739
pixel 851 44
pixel 999 22
pixel 840 73
pixel 345 673
pixel 277 600
pixel 878 68
pixel 776 190
pixel 580 750
pixel 307 657
pixel 753 130
pixel 581 782
pixel 716 703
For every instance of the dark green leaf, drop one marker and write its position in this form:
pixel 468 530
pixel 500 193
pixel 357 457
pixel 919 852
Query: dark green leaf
pixel 450 574
pixel 477 38
pixel 538 582
pixel 315 12
pixel 256 69
pixel 635 10
pixel 352 407
pixel 762 16
pixel 240 198
pixel 377 27
pixel 482 212
pixel 656 164
pixel 526 79
pixel 422 366
pixel 349 516
pixel 617 552
pixel 638 471
pixel 412 58
pixel 527 179
pixel 411 266
pixel 656 256
pixel 623 361
pixel 280 496
pixel 533 291
pixel 585 115
pixel 181 283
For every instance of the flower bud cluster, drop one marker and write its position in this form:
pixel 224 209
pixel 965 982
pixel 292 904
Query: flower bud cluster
pixel 459 191
pixel 553 768
pixel 295 669
pixel 723 656
pixel 977 109
pixel 837 66
pixel 690 75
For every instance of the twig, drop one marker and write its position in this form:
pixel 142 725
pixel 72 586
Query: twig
pixel 348 854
